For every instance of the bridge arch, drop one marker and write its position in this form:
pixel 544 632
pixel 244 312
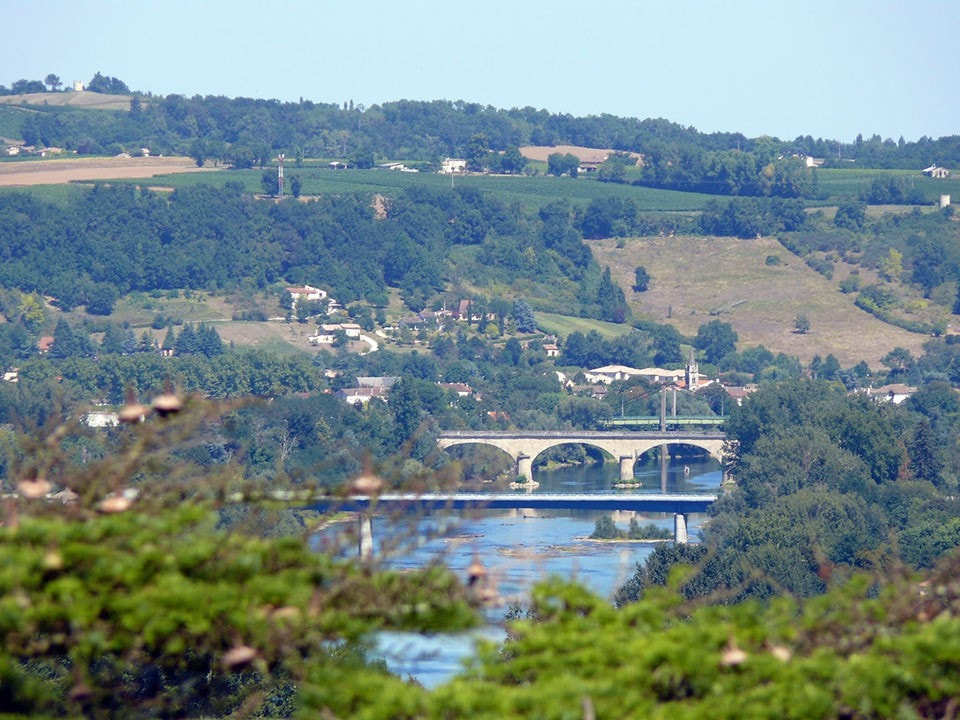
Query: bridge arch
pixel 626 447
pixel 493 461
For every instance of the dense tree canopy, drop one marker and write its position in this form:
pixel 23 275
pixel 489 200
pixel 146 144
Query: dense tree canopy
pixel 674 156
pixel 114 240
pixel 826 484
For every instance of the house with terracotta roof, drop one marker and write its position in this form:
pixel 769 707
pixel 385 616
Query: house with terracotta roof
pixel 305 292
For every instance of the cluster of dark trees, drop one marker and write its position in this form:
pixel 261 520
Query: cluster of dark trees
pixel 752 217
pixel 926 245
pixel 114 240
pixel 310 434
pixel 763 172
pixel 650 344
pixel 606 217
pixel 826 484
pixel 243 131
pixel 99 83
pixel 892 191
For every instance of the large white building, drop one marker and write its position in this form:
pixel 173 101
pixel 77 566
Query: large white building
pixel 452 166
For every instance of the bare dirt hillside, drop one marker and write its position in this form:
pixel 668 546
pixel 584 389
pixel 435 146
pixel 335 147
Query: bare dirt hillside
pixel 697 279
pixel 64 170
pixel 542 152
pixel 84 99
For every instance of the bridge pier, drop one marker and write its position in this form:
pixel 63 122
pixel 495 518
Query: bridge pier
pixel 680 528
pixel 365 536
pixel 525 468
pixel 627 463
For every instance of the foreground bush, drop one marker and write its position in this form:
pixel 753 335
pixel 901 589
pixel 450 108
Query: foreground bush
pixel 860 651
pixel 121 597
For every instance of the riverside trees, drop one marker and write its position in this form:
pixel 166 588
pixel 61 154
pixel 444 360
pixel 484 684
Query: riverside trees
pixel 826 484
pixel 132 599
pixel 124 596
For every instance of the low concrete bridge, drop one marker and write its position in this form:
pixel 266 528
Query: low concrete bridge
pixel 626 446
pixel 680 504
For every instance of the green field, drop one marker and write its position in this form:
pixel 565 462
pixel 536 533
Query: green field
pixel 530 191
pixel 563 325
pixel 832 186
pixel 537 191
pixel 837 183
pixel 11 119
pixel 56 194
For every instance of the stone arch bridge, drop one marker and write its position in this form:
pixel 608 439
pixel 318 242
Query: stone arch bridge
pixel 627 447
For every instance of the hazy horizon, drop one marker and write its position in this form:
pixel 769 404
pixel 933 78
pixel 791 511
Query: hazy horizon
pixel 759 68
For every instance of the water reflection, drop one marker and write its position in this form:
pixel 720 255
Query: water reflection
pixel 523 546
pixel 696 474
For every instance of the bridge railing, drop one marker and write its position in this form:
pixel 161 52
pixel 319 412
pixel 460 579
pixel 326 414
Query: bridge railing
pixel 546 434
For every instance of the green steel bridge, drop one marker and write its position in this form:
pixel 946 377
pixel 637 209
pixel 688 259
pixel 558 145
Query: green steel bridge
pixel 655 421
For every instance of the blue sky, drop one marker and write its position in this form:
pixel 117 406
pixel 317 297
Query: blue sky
pixel 826 68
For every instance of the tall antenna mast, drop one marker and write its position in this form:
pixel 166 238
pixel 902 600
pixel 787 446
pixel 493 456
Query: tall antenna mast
pixel 280 175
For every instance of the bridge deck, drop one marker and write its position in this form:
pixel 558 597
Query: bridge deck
pixel 672 435
pixel 654 502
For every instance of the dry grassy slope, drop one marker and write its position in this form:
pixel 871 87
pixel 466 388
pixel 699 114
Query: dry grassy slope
pixel 542 152
pixel 694 275
pixel 84 99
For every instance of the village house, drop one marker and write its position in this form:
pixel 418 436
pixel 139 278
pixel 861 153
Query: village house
pixel 305 292
pixel 591 163
pixel 610 373
pixel 598 391
pixel 101 419
pixel 551 350
pixel 362 395
pixel 381 381
pixel 397 166
pixel 453 166
pixel 661 376
pixel 327 333
pixel 894 393
pixel 461 389
pixel 410 321
pixel 739 392
pixel 936 172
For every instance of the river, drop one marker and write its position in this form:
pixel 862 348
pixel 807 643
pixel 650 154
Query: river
pixel 520 547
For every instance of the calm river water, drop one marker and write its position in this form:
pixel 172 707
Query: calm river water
pixel 520 547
